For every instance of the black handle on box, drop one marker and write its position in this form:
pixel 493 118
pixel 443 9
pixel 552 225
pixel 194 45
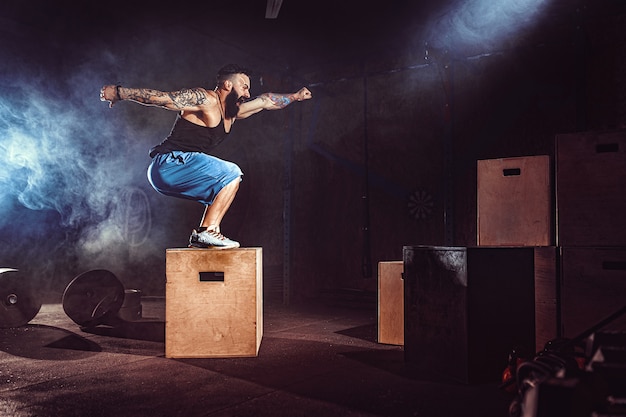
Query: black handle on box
pixel 607 147
pixel 211 276
pixel 614 265
pixel 511 172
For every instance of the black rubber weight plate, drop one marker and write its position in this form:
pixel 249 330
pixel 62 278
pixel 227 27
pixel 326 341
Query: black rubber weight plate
pixel 92 297
pixel 18 305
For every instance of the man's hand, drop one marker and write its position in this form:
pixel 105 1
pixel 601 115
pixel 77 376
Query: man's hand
pixel 109 93
pixel 303 94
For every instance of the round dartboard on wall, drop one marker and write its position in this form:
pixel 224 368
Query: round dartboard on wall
pixel 420 204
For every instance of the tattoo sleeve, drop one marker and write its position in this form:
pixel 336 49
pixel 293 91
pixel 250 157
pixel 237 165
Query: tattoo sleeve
pixel 177 99
pixel 280 100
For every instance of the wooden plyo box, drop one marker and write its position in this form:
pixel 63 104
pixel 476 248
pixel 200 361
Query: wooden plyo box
pixel 390 303
pixel 515 202
pixel 213 303
pixel 592 288
pixel 590 187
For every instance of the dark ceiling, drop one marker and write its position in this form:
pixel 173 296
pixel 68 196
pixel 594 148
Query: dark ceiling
pixel 320 17
pixel 307 29
pixel 300 16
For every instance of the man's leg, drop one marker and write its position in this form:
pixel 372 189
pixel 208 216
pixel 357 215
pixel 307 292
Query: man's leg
pixel 214 213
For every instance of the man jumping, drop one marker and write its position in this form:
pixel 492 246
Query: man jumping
pixel 182 165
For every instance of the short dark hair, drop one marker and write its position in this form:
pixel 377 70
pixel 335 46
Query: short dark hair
pixel 227 71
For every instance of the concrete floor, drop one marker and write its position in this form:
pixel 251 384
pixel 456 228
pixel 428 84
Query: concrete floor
pixel 314 361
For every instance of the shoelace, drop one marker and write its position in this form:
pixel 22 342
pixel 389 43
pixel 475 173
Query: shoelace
pixel 216 234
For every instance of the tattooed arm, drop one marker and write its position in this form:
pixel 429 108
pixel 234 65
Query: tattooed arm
pixel 186 99
pixel 271 101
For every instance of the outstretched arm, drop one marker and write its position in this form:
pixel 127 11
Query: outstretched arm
pixel 186 99
pixel 271 101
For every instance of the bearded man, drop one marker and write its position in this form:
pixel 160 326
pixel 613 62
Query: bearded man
pixel 182 165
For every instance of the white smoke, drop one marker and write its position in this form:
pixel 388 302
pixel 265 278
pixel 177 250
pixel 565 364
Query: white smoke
pixel 73 187
pixel 55 156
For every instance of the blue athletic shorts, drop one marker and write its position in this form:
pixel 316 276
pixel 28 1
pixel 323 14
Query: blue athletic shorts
pixel 191 175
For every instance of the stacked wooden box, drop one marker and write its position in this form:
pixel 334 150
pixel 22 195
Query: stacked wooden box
pixel 515 208
pixel 591 228
pixel 582 211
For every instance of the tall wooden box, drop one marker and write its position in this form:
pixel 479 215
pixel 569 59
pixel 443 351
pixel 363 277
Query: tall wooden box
pixel 390 303
pixel 213 303
pixel 514 202
pixel 467 308
pixel 593 288
pixel 591 189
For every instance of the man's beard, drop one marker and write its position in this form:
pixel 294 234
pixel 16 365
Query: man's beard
pixel 231 104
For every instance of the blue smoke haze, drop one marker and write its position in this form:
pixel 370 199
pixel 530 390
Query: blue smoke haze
pixel 73 188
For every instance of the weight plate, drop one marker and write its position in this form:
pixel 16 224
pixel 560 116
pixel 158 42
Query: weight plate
pixel 93 297
pixel 18 306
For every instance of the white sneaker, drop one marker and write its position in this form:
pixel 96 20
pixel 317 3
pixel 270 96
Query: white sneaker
pixel 211 239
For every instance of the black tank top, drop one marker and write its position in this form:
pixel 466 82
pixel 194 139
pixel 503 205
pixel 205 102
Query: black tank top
pixel 189 137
